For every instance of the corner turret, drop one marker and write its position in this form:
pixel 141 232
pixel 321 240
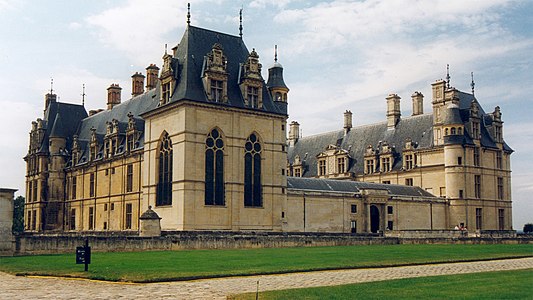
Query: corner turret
pixel 277 87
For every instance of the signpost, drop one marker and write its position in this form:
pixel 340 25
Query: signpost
pixel 83 255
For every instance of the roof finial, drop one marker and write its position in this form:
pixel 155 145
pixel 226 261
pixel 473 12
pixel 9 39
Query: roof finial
pixel 447 76
pixel 83 96
pixel 188 14
pixel 51 85
pixel 275 53
pixel 165 48
pixel 472 84
pixel 240 23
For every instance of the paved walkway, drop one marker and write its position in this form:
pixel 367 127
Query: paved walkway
pixel 13 287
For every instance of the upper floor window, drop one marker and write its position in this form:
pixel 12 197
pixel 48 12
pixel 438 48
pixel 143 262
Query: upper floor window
pixel 165 92
pixel 164 184
pixel 214 169
pixel 476 156
pixel 129 178
pixel 253 96
pixel 498 133
pixel 386 164
pixel 499 161
pixel 369 166
pixel 341 165
pixel 408 161
pixel 91 185
pixel 500 188
pixel 253 196
pixel 217 89
pixel 477 186
pixel 297 172
pixel 322 167
pixel 73 189
pixel 475 129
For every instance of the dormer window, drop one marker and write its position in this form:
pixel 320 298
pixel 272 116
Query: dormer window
pixel 322 167
pixel 369 166
pixel 214 75
pixel 341 165
pixel 167 79
pixel 385 164
pixel 475 129
pixel 251 82
pixel 217 90
pixel 408 159
pixel 165 92
pixel 253 96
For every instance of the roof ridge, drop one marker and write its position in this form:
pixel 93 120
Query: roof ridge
pixel 214 31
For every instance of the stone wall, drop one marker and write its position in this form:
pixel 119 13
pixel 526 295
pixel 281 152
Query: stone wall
pixel 6 221
pixel 66 243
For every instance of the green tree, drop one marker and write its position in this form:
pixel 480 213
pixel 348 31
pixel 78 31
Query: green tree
pixel 528 228
pixel 18 215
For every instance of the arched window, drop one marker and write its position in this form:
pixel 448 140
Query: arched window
pixel 459 131
pixel 164 183
pixel 253 196
pixel 214 169
pixel 453 130
pixel 446 131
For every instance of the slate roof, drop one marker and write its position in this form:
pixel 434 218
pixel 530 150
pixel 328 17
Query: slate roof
pixel 70 116
pixel 195 44
pixel 419 129
pixel 355 187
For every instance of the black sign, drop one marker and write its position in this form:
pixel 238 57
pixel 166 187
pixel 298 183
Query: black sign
pixel 83 255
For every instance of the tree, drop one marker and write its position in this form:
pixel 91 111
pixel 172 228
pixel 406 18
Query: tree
pixel 528 228
pixel 18 215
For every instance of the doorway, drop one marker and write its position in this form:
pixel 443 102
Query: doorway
pixel 374 219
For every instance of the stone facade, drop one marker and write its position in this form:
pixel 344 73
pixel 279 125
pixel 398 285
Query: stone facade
pixel 6 221
pixel 205 145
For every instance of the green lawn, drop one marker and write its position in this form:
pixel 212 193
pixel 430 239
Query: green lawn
pixel 180 265
pixel 491 285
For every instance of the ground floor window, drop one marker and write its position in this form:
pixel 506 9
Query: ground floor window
pixel 91 218
pixel 129 215
pixel 353 226
pixel 479 218
pixel 390 225
pixel 501 219
pixel 72 224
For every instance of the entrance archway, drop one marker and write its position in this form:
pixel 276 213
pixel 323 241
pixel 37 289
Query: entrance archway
pixel 374 219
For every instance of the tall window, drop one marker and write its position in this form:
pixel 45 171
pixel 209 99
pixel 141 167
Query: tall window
pixel 499 160
pixel 129 215
pixel 216 90
pixel 477 186
pixel 408 161
pixel 501 219
pixel 129 178
pixel 165 92
pixel 253 195
pixel 498 133
pixel 369 166
pixel 475 129
pixel 35 190
pixel 322 167
pixel 28 220
pixel 476 157
pixel 91 218
pixel 500 188
pixel 30 191
pixel 214 169
pixel 164 184
pixel 385 162
pixel 34 220
pixel 479 218
pixel 91 185
pixel 73 188
pixel 341 164
pixel 72 224
pixel 253 96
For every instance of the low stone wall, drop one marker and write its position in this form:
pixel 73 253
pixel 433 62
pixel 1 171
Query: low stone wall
pixel 66 243
pixel 450 234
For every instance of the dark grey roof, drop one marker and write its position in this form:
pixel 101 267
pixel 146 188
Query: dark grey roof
pixel 71 115
pixel 195 44
pixel 275 76
pixel 355 187
pixel 417 128
pixel 453 115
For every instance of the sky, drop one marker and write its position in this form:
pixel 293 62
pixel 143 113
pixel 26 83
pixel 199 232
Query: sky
pixel 336 54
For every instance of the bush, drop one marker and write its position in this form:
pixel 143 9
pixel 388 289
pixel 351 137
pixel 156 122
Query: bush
pixel 528 228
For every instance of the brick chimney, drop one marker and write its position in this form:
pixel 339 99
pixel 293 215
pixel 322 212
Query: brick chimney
pixel 347 121
pixel 418 103
pixel 113 95
pixel 152 73
pixel 137 84
pixel 393 110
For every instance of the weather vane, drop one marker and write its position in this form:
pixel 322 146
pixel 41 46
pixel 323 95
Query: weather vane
pixel 448 75
pixel 240 22
pixel 472 84
pixel 83 95
pixel 188 13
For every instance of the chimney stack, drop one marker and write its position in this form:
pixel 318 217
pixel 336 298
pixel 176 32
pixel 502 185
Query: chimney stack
pixel 418 103
pixel 393 110
pixel 152 72
pixel 294 133
pixel 49 98
pixel 113 95
pixel 137 84
pixel 347 121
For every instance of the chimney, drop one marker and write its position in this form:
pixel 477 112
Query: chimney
pixel 347 121
pixel 418 103
pixel 49 98
pixel 294 133
pixel 137 84
pixel 113 95
pixel 152 72
pixel 393 110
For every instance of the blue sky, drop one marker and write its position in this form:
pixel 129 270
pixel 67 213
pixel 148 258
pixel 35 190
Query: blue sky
pixel 337 55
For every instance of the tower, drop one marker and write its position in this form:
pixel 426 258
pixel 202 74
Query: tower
pixel 276 86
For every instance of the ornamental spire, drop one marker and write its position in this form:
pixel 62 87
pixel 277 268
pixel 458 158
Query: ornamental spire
pixel 188 14
pixel 275 53
pixel 240 23
pixel 83 95
pixel 447 76
pixel 472 84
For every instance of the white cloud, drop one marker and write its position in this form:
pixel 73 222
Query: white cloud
pixel 8 4
pixel 264 3
pixel 74 25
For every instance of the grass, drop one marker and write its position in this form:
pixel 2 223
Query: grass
pixel 489 285
pixel 150 266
